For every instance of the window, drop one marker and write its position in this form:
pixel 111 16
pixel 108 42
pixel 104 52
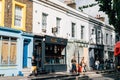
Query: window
pixel 8 48
pixel 98 37
pixel 93 32
pixel 111 39
pixel 54 54
pixel 4 54
pixel 73 29
pixel 82 32
pixel 106 38
pixel 44 22
pixel 58 24
pixel 2 4
pixel 19 15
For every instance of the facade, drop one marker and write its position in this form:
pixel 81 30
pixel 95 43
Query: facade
pixel 50 35
pixel 16 45
pixel 52 31
pixel 100 34
pixel 85 34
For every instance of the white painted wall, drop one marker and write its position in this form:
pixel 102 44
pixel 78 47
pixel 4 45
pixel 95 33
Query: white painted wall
pixel 66 20
pixel 38 9
pixel 65 29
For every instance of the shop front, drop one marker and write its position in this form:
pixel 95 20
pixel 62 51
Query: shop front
pixel 12 51
pixel 51 52
pixel 95 52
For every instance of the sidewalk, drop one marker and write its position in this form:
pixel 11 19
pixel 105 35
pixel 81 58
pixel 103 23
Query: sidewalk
pixel 59 75
pixel 96 73
pixel 41 77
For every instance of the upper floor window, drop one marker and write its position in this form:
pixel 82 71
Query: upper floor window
pixel 19 15
pixel 44 22
pixel 98 36
pixel 73 30
pixel 111 39
pixel 82 32
pixel 58 24
pixel 2 4
pixel 106 38
pixel 93 32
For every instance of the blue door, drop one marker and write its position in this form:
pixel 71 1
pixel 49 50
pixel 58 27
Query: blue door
pixel 25 54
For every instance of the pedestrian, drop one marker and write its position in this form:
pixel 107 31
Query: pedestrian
pixel 34 67
pixel 83 64
pixel 111 64
pixel 97 64
pixel 106 64
pixel 74 69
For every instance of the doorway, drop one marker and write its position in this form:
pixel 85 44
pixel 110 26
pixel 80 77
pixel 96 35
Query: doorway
pixel 25 53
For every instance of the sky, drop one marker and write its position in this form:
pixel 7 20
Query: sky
pixel 92 11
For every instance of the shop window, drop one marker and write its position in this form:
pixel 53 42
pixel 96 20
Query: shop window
pixel 54 54
pixel 13 53
pixel 19 15
pixel 4 54
pixel 8 48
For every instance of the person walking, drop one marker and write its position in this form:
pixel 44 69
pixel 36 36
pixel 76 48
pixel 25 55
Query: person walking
pixel 74 69
pixel 34 66
pixel 97 64
pixel 83 64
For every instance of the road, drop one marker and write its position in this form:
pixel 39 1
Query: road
pixel 101 76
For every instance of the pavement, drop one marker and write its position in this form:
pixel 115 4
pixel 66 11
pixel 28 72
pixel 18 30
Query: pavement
pixel 58 75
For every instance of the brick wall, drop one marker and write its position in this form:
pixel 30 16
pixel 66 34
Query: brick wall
pixel 8 14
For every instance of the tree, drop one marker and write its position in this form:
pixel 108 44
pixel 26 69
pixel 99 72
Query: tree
pixel 112 9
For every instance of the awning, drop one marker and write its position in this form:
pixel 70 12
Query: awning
pixel 117 49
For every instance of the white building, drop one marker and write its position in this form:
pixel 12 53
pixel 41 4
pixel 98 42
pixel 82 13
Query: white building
pixel 53 18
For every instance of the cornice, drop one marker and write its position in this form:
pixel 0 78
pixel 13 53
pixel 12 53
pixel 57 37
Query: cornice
pixel 68 10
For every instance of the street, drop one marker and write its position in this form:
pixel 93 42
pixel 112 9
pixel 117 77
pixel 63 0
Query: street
pixel 101 76
pixel 90 75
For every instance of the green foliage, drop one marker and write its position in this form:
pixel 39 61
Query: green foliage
pixel 86 6
pixel 112 9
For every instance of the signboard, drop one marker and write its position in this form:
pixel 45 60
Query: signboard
pixel 55 40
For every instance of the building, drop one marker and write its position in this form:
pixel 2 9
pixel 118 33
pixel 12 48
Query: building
pixel 52 31
pixel 85 34
pixel 16 44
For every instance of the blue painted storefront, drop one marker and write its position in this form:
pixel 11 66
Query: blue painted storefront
pixel 24 51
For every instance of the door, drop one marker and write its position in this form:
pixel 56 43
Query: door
pixel 25 54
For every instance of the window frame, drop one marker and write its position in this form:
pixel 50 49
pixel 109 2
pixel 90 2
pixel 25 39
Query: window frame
pixel 44 20
pixel 58 23
pixel 8 41
pixel 82 31
pixel 23 6
pixel 106 38
pixel 2 12
pixel 73 29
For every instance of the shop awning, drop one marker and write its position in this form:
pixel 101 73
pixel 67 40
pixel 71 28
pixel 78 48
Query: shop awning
pixel 117 49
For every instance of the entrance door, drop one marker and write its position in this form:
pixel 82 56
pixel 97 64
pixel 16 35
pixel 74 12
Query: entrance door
pixel 38 52
pixel 25 54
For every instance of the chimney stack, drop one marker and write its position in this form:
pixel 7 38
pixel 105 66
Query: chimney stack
pixel 70 3
pixel 100 18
